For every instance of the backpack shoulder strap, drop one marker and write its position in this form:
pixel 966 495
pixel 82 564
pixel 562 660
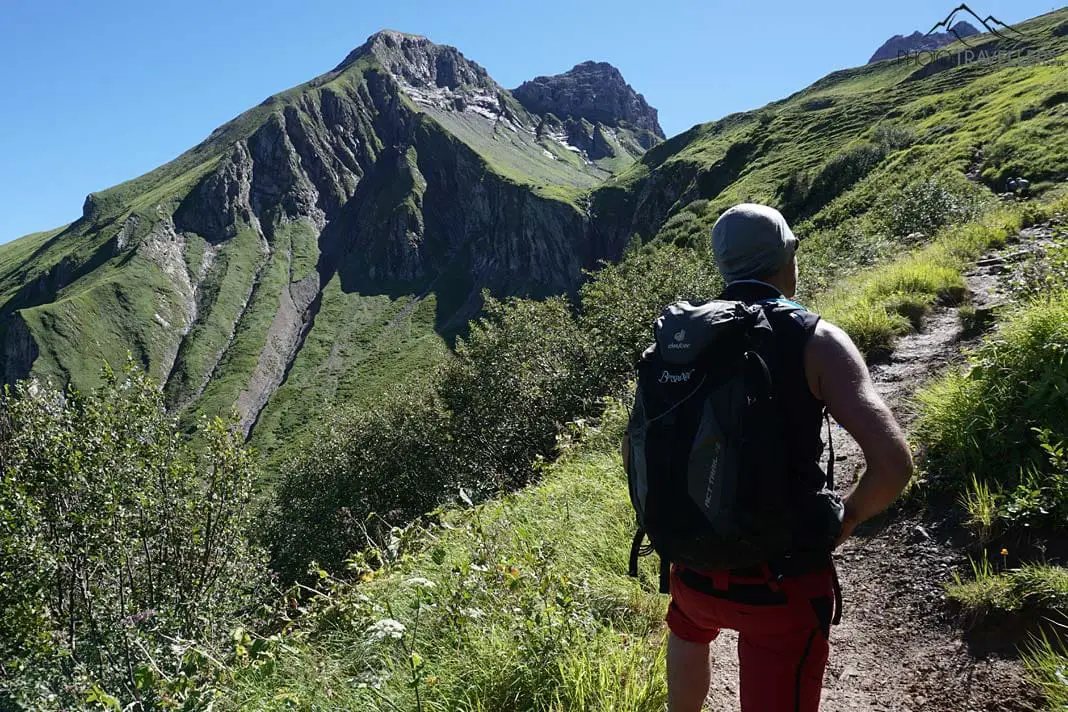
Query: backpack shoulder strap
pixel 830 451
pixel 799 329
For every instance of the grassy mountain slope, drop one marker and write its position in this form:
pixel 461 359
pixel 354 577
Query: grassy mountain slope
pixel 324 243
pixel 835 151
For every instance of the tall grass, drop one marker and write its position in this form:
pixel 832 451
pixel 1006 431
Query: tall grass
pixel 520 604
pixel 986 420
pixel 1047 667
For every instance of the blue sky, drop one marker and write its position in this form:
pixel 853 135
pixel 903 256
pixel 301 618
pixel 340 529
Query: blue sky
pixel 95 93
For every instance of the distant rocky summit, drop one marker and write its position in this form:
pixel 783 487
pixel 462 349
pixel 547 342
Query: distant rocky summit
pixel 594 91
pixel 900 45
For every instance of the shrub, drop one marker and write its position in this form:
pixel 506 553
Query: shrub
pixel 119 545
pixel 523 372
pixel 842 172
pixel 621 302
pixel 892 137
pixel 392 459
pixel 927 206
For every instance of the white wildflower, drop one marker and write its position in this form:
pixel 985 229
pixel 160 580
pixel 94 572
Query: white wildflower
pixel 419 582
pixel 387 628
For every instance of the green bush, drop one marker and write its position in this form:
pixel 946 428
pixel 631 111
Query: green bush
pixel 892 137
pixel 392 459
pixel 120 547
pixel 926 206
pixel 621 302
pixel 999 419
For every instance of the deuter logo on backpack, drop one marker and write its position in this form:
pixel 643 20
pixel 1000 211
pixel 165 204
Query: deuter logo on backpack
pixel 680 343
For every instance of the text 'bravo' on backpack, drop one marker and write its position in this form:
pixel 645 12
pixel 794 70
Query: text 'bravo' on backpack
pixel 707 469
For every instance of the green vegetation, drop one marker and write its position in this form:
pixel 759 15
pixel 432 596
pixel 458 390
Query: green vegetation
pixel 121 549
pixel 1005 415
pixel 1038 587
pixel 359 346
pixel 522 603
pixel 879 305
pixel 1047 664
pixel 225 293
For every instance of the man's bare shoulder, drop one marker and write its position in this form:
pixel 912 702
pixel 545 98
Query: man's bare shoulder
pixel 831 340
pixel 831 356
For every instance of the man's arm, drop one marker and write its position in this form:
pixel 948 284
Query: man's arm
pixel 838 376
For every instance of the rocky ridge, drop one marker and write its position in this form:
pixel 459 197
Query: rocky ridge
pixel 594 93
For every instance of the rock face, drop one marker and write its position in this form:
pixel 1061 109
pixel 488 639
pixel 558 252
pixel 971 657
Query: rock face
pixel 900 45
pixel 329 234
pixel 594 91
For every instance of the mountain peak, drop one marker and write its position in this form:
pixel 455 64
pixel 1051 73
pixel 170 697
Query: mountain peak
pixel 901 45
pixel 595 91
pixel 418 61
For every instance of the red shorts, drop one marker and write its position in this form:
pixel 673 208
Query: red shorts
pixel 782 632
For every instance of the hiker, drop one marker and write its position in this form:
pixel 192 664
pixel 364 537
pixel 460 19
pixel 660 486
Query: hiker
pixel 723 452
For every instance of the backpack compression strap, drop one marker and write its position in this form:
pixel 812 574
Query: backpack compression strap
pixel 836 584
pixel 637 550
pixel 830 449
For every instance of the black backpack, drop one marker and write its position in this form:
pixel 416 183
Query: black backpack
pixel 707 464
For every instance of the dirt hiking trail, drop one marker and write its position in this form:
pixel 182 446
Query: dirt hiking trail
pixel 899 648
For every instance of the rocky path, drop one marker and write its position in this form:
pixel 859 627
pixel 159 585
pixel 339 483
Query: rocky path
pixel 898 647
